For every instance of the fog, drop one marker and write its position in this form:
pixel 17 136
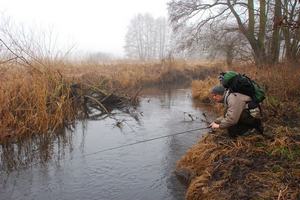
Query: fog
pixel 89 26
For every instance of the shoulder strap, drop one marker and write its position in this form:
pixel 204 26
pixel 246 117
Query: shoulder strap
pixel 227 93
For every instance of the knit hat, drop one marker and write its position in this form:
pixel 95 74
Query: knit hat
pixel 219 89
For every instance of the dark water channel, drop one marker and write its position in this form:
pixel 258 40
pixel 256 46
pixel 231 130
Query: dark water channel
pixel 72 166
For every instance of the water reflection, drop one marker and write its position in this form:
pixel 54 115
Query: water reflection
pixel 42 148
pixel 37 150
pixel 72 167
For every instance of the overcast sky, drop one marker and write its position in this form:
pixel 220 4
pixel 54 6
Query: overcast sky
pixel 92 25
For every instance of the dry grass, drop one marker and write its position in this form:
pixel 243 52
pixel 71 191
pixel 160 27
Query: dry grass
pixel 132 74
pixel 246 168
pixel 253 167
pixel 33 102
pixel 38 99
pixel 201 88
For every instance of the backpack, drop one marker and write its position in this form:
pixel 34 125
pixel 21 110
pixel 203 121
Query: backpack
pixel 241 83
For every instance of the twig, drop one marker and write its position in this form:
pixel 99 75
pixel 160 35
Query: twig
pixel 98 102
pixel 17 56
pixel 9 60
pixel 281 193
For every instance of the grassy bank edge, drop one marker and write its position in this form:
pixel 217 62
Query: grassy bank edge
pixel 252 167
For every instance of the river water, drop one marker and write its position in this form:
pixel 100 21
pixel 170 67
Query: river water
pixel 79 165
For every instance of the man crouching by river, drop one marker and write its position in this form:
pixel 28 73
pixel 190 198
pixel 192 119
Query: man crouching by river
pixel 238 119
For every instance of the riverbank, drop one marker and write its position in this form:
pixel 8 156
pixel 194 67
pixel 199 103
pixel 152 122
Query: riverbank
pixel 256 166
pixel 41 98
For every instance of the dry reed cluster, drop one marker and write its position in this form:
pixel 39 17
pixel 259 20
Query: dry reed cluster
pixel 40 99
pixel 33 102
pixel 252 167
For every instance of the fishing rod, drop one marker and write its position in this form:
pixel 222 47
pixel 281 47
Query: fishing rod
pixel 148 140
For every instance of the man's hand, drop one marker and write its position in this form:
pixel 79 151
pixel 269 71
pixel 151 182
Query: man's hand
pixel 214 125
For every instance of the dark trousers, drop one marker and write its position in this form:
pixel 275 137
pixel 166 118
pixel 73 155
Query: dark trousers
pixel 245 123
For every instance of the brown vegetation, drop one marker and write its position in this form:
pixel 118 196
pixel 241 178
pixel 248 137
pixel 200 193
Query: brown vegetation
pixel 134 74
pixel 41 99
pixel 201 88
pixel 32 102
pixel 252 167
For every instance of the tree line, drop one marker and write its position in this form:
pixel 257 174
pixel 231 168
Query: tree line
pixel 147 38
pixel 262 31
pixel 268 28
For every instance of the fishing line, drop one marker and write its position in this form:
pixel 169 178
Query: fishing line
pixel 134 143
pixel 143 141
pixel 151 139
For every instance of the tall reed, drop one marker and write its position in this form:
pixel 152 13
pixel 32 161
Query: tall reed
pixel 33 102
pixel 39 98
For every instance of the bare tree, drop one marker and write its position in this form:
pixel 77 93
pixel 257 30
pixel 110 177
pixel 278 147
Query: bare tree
pixel 290 25
pixel 164 37
pixel 26 45
pixel 147 38
pixel 252 18
pixel 214 41
pixel 229 44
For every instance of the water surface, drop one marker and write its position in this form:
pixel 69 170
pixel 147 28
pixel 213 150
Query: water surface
pixel 74 166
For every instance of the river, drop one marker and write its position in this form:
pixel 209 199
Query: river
pixel 84 163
